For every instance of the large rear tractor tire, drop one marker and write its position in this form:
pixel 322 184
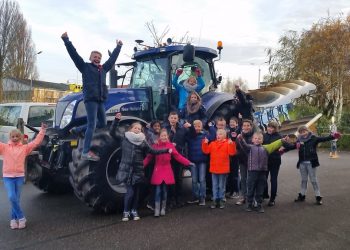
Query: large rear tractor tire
pixel 94 182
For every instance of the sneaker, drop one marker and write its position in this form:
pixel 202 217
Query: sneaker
pixel 271 203
pixel 224 199
pixel 234 195
pixel 90 156
pixel 240 202
pixel 13 224
pixel 318 200
pixel 126 216
pixel 260 209
pixel 300 198
pixel 221 204
pixel 193 201
pixel 213 205
pixel 135 215
pixel 22 223
pixel 249 208
pixel 201 202
pixel 150 207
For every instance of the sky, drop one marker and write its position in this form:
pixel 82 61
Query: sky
pixel 246 29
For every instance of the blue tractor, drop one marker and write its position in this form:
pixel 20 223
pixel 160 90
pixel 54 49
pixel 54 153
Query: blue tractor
pixel 149 95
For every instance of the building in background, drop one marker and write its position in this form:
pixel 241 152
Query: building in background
pixel 26 90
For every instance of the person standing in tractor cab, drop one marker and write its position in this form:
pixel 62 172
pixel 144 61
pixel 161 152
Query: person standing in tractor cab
pixel 193 83
pixel 94 91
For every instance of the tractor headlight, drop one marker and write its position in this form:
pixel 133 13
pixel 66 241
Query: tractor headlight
pixel 68 114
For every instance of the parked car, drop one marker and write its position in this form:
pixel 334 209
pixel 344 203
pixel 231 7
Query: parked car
pixel 32 113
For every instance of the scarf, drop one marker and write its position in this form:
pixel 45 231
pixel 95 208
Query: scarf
pixel 189 87
pixel 136 139
pixel 304 139
pixel 193 107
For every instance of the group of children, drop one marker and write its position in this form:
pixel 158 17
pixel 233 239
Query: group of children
pixel 236 154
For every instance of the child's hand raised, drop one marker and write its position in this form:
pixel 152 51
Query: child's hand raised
pixel 187 125
pixel 206 140
pixel 179 72
pixel 119 42
pixel 43 125
pixel 230 141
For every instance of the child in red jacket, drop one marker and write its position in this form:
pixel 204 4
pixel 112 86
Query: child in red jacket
pixel 14 154
pixel 220 151
pixel 163 174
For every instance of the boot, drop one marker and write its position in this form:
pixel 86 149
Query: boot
pixel 300 198
pixel 318 200
pixel 162 212
pixel 156 209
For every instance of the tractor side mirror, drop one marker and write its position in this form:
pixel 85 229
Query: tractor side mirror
pixel 219 79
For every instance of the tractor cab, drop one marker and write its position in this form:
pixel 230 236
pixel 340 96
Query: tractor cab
pixel 155 68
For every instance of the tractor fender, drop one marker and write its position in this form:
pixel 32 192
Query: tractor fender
pixel 213 100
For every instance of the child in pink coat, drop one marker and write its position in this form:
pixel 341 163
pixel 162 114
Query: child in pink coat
pixel 14 154
pixel 163 174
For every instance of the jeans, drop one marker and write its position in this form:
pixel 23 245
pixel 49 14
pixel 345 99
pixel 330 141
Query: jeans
pixel 96 117
pixel 161 193
pixel 131 197
pixel 218 182
pixel 273 171
pixel 306 170
pixel 243 171
pixel 233 177
pixel 198 173
pixel 13 187
pixel 256 182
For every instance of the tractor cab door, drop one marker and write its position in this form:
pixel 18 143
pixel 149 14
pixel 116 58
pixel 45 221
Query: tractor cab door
pixel 205 66
pixel 153 73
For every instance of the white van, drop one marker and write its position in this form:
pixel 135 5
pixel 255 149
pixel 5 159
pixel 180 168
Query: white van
pixel 32 113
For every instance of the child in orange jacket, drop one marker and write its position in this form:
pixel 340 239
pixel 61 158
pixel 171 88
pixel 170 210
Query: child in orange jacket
pixel 220 151
pixel 14 154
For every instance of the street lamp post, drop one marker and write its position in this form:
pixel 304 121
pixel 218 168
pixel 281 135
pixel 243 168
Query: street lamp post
pixel 259 71
pixel 31 75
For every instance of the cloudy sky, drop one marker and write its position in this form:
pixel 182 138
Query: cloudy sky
pixel 245 27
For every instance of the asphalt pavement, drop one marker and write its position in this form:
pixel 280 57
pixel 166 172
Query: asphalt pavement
pixel 64 222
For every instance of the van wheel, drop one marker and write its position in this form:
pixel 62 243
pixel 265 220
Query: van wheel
pixel 94 182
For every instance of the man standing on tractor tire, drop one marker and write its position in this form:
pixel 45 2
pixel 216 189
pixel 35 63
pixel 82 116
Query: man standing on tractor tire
pixel 95 91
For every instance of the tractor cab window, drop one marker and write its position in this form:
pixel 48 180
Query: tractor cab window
pixel 177 62
pixel 152 73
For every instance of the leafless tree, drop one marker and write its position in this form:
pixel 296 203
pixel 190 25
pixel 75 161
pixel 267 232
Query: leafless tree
pixel 17 51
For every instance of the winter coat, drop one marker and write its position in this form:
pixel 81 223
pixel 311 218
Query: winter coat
pixel 242 154
pixel 194 145
pixel 245 105
pixel 308 148
pixel 258 154
pixel 131 169
pixel 220 152
pixel 274 157
pixel 179 138
pixel 94 78
pixel 162 169
pixel 14 155
pixel 183 93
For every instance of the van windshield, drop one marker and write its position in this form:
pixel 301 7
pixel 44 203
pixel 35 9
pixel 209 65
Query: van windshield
pixel 39 114
pixel 9 115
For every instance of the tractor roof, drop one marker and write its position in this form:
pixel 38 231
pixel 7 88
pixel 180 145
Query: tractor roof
pixel 202 52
